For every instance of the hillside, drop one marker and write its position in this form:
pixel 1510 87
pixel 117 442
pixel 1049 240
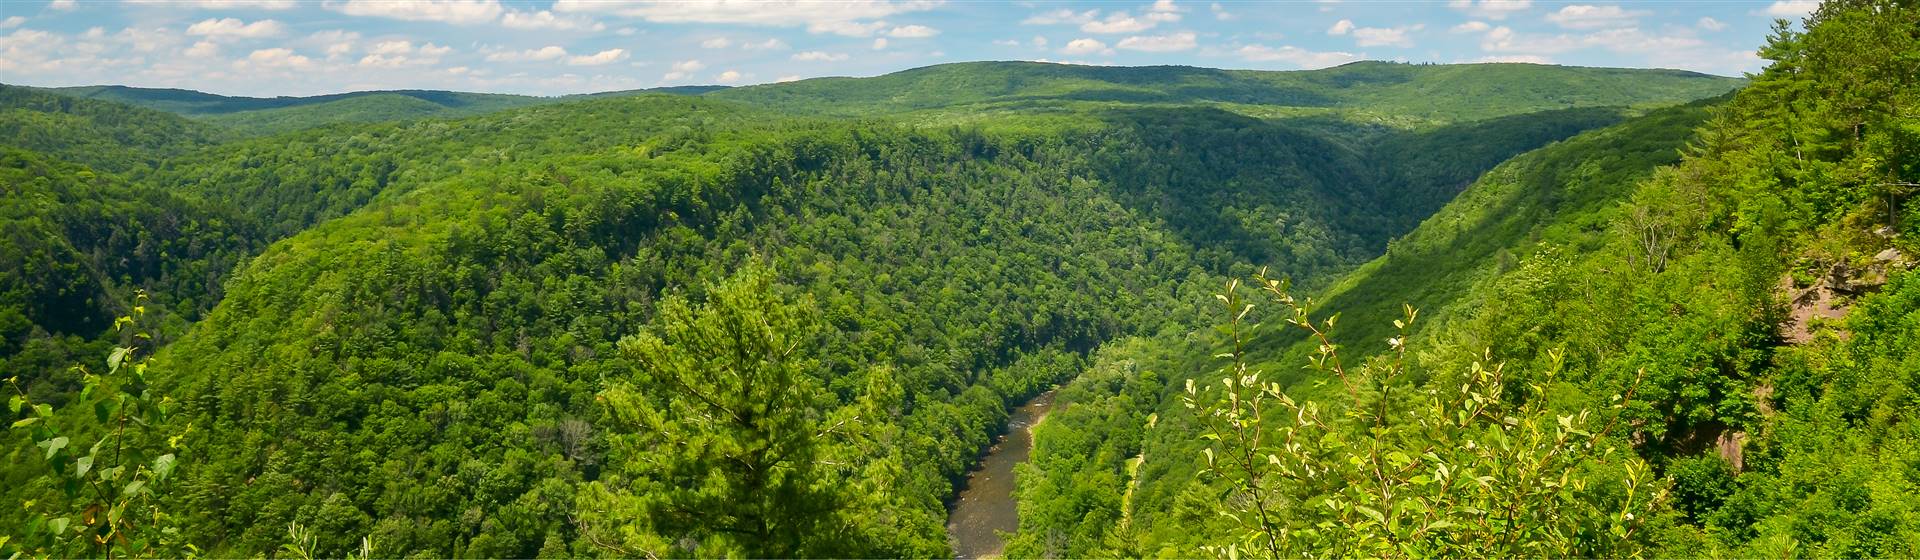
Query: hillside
pixel 107 136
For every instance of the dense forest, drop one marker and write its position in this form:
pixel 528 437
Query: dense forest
pixel 1380 309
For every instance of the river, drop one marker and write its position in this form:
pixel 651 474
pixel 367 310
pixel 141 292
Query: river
pixel 986 504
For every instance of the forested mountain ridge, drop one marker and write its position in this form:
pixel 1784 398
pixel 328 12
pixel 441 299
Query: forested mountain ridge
pixel 715 325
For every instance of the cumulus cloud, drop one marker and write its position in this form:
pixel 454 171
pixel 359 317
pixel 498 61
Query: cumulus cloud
pixel 546 20
pixel 767 45
pixel 1296 56
pixel 912 32
pixel 728 77
pixel 1526 58
pixel 12 22
pixel 203 49
pixel 1791 9
pixel 63 5
pixel 1710 24
pixel 880 43
pixel 1376 36
pixel 1061 16
pixel 716 43
pixel 855 18
pixel 552 52
pixel 1220 12
pixel 459 12
pixel 784 79
pixel 221 4
pixel 601 58
pixel 682 70
pixel 1118 22
pixel 1490 9
pixel 1471 27
pixel 396 54
pixel 280 57
pixel 1582 16
pixel 1086 46
pixel 1173 42
pixel 819 56
pixel 232 27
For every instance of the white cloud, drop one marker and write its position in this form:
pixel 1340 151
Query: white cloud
pixel 541 54
pixel 1376 36
pixel 683 70
pixel 1629 40
pixel 605 57
pixel 1220 12
pixel 231 27
pixel 1118 22
pixel 1039 42
pixel 12 22
pixel 396 54
pixel 767 45
pixel 1710 24
pixel 1296 56
pixel 728 77
pixel 819 56
pixel 1007 42
pixel 336 43
pixel 1582 16
pixel 1159 43
pixel 1526 58
pixel 544 19
pixel 784 79
pixel 912 32
pixel 1086 46
pixel 854 18
pixel 716 43
pixel 1471 27
pixel 461 12
pixel 880 43
pixel 63 5
pixel 1061 16
pixel 277 58
pixel 203 49
pixel 221 4
pixel 1791 9
pixel 1490 9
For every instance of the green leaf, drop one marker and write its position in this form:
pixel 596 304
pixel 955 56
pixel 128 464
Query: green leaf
pixel 83 465
pixel 59 525
pixel 119 355
pixel 14 404
pixel 54 445
pixel 162 466
pixel 28 421
pixel 1373 513
pixel 134 488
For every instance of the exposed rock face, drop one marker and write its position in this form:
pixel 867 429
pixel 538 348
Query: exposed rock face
pixel 1829 297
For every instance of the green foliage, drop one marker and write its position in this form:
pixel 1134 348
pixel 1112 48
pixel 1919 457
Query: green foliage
pixel 1395 470
pixel 720 432
pixel 100 499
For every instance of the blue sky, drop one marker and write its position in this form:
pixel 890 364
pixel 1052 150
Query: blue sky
pixel 551 47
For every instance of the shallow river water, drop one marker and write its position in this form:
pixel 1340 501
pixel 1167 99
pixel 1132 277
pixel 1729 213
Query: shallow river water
pixel 986 504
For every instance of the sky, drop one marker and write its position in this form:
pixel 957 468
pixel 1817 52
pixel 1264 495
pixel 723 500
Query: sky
pixel 557 47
